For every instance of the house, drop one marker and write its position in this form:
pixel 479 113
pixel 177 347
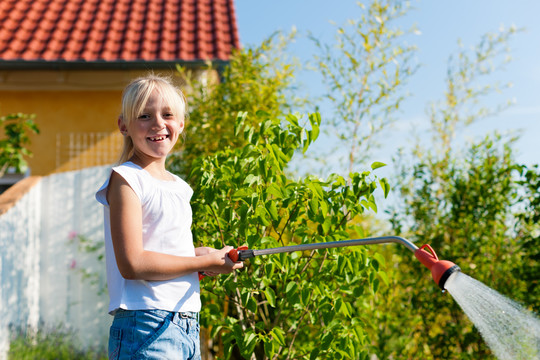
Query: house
pixel 67 61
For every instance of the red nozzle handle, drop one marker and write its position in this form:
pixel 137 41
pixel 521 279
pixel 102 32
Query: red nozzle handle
pixel 423 247
pixel 233 254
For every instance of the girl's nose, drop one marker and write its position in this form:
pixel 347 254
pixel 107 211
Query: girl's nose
pixel 159 122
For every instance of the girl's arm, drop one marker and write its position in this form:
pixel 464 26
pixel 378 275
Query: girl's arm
pixel 136 263
pixel 205 250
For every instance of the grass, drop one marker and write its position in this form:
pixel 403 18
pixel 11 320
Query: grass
pixel 56 343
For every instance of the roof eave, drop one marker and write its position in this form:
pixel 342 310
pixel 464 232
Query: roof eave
pixel 106 65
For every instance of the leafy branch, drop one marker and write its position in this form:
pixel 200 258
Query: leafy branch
pixel 14 147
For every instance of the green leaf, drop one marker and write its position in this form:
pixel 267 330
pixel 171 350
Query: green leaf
pixel 251 304
pixel 292 119
pixel 278 334
pixel 276 190
pixel 385 186
pixel 341 264
pixel 249 337
pixel 250 341
pixel 262 114
pixel 306 143
pixel 384 277
pixel 326 341
pixel 269 348
pixel 306 296
pixel 272 210
pixel 376 284
pixel 241 116
pixel 291 286
pixel 374 264
pixel 377 165
pixel 262 215
pixel 270 296
pixel 317 189
pixel 380 258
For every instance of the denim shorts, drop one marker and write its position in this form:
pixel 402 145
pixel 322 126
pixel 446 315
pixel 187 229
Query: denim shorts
pixel 154 334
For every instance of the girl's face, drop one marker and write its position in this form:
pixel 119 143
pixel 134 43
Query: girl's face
pixel 155 131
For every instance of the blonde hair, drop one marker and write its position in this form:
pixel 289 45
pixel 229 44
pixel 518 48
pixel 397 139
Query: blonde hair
pixel 135 97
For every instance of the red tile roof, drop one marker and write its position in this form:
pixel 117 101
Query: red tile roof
pixel 117 30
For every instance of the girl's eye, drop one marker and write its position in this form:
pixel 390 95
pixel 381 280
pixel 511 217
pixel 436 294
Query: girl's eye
pixel 143 117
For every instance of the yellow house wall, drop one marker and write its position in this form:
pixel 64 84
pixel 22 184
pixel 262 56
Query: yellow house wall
pixel 63 102
pixel 61 111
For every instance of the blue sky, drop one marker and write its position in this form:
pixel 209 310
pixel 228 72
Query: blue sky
pixel 441 24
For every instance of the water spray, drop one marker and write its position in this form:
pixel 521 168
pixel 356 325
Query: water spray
pixel 440 269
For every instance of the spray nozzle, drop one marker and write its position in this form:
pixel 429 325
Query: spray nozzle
pixel 440 269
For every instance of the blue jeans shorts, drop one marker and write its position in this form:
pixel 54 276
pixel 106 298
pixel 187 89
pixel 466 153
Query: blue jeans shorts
pixel 154 334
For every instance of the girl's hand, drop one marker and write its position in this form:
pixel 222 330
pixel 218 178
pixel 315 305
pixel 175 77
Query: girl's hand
pixel 203 250
pixel 220 263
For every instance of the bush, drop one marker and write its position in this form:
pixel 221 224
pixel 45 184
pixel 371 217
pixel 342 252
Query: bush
pixel 14 146
pixel 287 306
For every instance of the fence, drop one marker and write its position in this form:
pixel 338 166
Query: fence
pixel 81 150
pixel 41 264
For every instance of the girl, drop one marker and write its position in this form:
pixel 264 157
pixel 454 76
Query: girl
pixel 152 265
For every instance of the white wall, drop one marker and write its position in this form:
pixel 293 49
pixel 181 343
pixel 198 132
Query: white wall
pixel 40 268
pixel 19 265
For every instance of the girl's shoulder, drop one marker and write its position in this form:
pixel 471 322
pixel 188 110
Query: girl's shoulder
pixel 144 184
pixel 181 185
pixel 148 182
pixel 131 172
pixel 128 166
pixel 128 171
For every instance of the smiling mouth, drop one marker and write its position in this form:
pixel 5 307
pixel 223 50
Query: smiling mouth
pixel 158 138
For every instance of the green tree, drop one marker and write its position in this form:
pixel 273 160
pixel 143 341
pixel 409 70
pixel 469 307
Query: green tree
pixel 365 72
pixel 467 219
pixel 460 203
pixel 528 235
pixel 14 146
pixel 285 306
pixel 257 78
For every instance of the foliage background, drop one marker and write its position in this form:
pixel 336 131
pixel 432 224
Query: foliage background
pixel 470 200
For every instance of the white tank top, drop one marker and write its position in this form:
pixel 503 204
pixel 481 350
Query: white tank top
pixel 166 220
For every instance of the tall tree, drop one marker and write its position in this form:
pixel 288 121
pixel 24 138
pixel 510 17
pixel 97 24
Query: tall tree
pixel 257 78
pixel 528 235
pixel 365 72
pixel 461 203
pixel 281 306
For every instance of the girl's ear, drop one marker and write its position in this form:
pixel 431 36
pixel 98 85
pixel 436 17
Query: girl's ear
pixel 122 126
pixel 182 126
